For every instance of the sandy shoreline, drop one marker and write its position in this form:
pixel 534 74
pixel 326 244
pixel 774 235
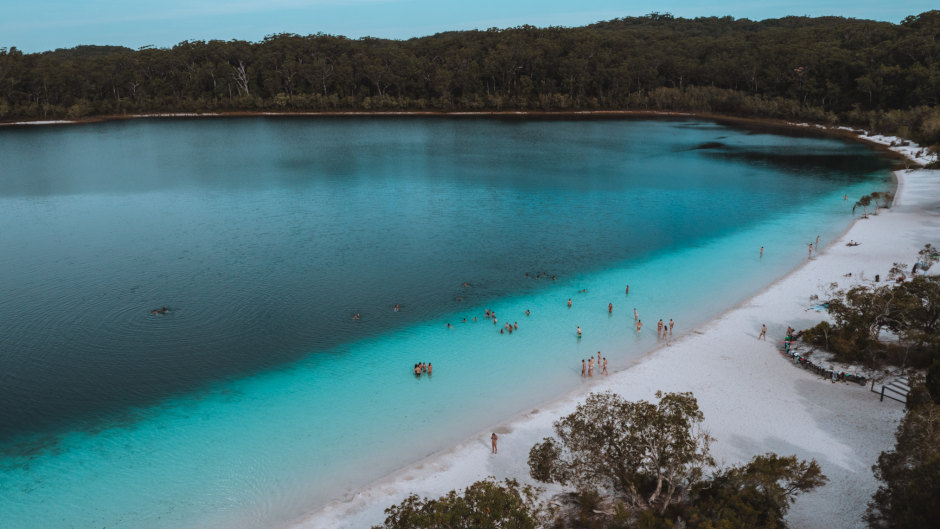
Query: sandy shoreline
pixel 754 399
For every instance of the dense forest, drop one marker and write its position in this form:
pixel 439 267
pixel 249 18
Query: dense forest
pixel 877 75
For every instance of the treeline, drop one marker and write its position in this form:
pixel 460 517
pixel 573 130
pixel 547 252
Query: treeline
pixel 865 73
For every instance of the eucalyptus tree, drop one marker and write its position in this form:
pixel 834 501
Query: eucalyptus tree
pixel 647 454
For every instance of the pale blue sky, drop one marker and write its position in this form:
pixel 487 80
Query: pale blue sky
pixel 39 25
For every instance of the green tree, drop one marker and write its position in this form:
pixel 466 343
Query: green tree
pixel 909 310
pixel 909 496
pixel 485 504
pixel 756 495
pixel 648 454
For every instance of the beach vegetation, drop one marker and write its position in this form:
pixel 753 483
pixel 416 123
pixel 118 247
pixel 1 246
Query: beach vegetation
pixel 880 76
pixel 486 504
pixel 652 463
pixel 908 311
pixel 646 454
pixel 927 257
pixel 897 271
pixel 909 474
pixel 756 495
pixel 864 202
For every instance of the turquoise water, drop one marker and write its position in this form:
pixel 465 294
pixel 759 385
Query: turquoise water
pixel 257 397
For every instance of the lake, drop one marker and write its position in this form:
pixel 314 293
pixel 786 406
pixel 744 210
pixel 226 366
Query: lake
pixel 259 394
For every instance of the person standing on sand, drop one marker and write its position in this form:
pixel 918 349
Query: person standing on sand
pixel 493 439
pixel 763 332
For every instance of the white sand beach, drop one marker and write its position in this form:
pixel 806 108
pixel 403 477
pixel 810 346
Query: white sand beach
pixel 755 399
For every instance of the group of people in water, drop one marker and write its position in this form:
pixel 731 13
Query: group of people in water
pixel 422 368
pixel 587 368
pixel 663 330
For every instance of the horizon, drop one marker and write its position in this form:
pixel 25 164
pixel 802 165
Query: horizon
pixel 167 23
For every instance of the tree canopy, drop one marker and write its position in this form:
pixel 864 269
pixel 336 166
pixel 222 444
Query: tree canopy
pixel 756 495
pixel 860 315
pixel 646 453
pixel 878 75
pixel 909 496
pixel 485 504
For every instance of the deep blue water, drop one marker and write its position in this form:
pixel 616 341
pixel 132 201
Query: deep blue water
pixel 264 237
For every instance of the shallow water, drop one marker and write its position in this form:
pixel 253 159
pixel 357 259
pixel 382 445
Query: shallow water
pixel 257 397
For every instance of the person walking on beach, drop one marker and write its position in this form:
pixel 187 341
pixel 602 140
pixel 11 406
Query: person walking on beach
pixel 763 332
pixel 493 439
